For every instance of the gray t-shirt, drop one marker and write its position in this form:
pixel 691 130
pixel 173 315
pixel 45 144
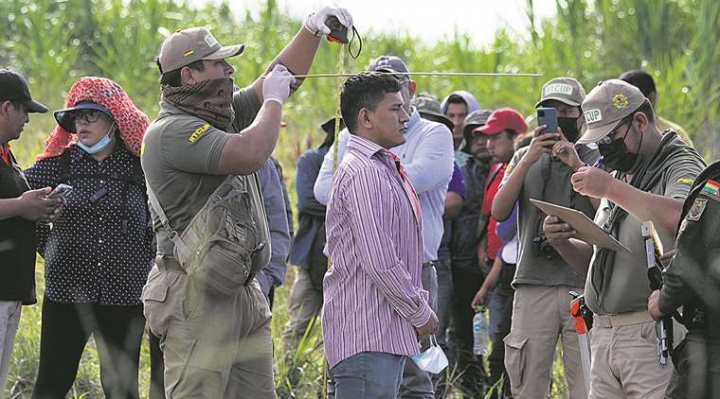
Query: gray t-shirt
pixel 628 288
pixel 548 180
pixel 180 155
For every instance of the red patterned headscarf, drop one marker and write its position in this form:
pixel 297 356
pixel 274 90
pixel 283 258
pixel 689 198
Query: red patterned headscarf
pixel 129 119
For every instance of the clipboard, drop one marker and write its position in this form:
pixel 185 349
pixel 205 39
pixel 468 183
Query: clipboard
pixel 586 228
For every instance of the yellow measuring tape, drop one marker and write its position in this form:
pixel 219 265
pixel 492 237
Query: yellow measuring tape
pixel 335 166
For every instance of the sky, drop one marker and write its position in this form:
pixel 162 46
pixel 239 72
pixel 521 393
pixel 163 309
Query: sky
pixel 431 22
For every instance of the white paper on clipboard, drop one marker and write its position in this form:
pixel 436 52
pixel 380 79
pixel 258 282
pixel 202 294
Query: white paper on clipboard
pixel 585 227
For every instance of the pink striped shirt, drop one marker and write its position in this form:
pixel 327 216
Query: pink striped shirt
pixel 373 296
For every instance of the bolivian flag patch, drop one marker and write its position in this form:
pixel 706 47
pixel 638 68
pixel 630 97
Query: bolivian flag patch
pixel 712 188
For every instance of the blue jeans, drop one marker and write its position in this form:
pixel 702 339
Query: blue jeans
pixel 444 298
pixel 498 301
pixel 368 375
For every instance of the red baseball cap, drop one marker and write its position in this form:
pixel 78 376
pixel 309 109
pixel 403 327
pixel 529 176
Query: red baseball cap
pixel 502 119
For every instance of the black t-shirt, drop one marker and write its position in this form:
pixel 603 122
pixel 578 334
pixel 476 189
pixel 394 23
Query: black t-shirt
pixel 17 242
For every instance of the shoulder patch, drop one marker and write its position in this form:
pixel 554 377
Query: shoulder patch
pixel 697 209
pixel 685 180
pixel 199 132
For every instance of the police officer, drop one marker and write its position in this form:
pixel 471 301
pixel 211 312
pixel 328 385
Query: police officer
pixel 692 282
pixel 652 175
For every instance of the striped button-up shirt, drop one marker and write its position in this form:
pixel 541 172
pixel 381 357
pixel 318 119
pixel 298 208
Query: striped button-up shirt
pixel 373 296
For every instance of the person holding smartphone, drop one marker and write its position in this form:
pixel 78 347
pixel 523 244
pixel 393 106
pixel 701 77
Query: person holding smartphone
pixel 99 251
pixel 542 279
pixel 21 208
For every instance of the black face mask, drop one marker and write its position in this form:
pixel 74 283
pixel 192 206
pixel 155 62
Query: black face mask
pixel 569 128
pixel 617 156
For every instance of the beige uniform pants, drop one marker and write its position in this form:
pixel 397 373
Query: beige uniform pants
pixel 214 346
pixel 541 316
pixel 625 363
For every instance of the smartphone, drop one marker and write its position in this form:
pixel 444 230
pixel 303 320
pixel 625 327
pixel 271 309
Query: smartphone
pixel 61 191
pixel 547 117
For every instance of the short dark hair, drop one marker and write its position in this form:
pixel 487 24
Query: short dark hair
pixel 647 109
pixel 511 134
pixel 173 78
pixel 640 79
pixel 364 90
pixel 456 99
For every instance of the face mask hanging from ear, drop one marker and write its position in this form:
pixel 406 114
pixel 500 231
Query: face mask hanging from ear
pixel 100 145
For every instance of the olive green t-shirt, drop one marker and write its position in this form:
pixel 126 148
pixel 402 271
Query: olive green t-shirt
pixel 628 288
pixel 180 155
pixel 548 180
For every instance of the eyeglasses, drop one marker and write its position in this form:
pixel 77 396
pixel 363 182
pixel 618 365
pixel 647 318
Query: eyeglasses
pixel 611 136
pixel 88 115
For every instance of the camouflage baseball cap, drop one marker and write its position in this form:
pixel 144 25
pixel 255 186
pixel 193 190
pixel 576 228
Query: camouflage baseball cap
pixel 474 120
pixel 429 108
pixel 193 44
pixel 606 106
pixel 566 90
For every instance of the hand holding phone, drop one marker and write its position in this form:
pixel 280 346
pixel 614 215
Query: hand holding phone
pixel 548 117
pixel 61 191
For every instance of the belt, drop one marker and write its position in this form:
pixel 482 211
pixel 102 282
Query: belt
pixel 429 264
pixel 624 319
pixel 169 264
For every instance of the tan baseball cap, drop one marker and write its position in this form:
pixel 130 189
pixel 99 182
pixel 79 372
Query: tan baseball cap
pixel 186 46
pixel 606 106
pixel 566 90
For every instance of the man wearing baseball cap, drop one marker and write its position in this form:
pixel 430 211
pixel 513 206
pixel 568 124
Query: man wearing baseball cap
pixel 215 324
pixel 427 158
pixel 20 210
pixel 653 173
pixel 501 129
pixel 467 277
pixel 542 279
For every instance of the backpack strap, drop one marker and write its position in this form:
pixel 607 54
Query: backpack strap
pixel 65 166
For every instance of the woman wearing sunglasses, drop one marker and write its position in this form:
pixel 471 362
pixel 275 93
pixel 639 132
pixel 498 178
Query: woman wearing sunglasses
pixel 99 250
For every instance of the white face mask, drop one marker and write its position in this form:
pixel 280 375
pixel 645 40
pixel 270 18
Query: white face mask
pixel 100 145
pixel 433 360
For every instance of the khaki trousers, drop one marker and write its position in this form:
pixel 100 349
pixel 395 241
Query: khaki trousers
pixel 625 363
pixel 214 346
pixel 541 316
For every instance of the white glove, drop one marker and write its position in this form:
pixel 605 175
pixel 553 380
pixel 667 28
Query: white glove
pixel 315 22
pixel 276 86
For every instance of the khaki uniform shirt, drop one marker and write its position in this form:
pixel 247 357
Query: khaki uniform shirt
pixel 180 155
pixel 547 180
pixel 629 287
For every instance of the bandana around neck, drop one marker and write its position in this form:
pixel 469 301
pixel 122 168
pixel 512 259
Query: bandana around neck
pixel 210 100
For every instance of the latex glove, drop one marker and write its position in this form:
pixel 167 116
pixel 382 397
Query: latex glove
pixel 315 22
pixel 276 86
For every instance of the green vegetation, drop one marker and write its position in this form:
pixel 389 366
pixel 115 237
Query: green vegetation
pixel 53 42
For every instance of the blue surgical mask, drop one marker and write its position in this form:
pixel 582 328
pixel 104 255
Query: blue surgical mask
pixel 100 145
